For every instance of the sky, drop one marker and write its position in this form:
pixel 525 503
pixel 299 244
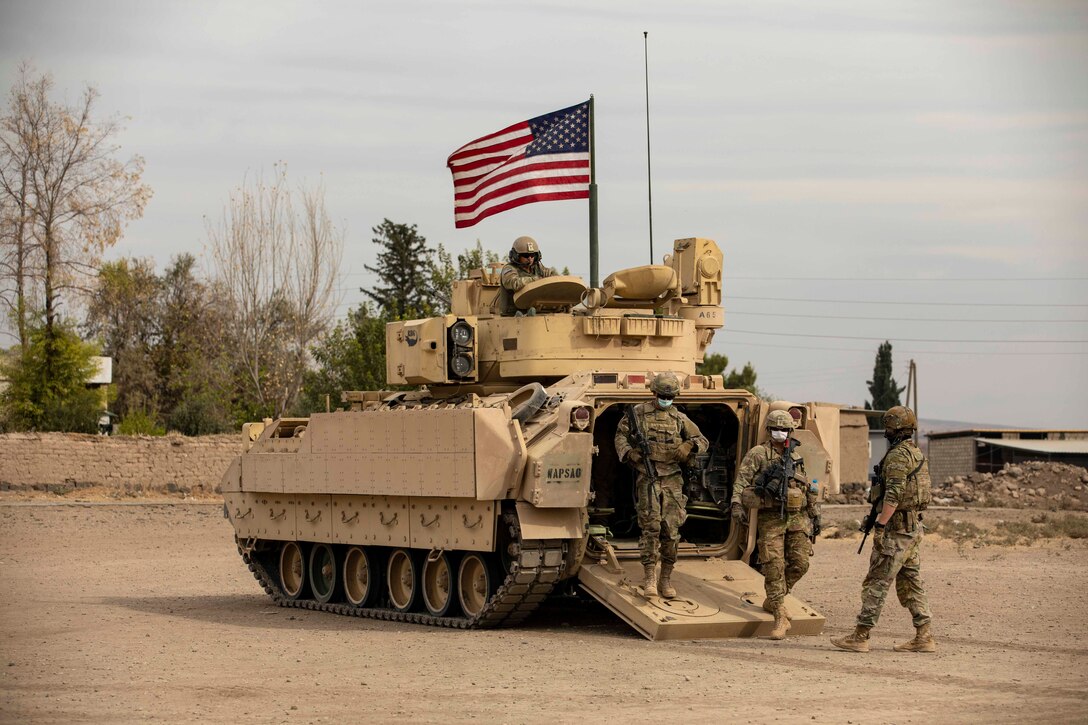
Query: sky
pixel 909 171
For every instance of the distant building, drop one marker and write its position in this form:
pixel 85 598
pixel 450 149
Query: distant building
pixel 987 450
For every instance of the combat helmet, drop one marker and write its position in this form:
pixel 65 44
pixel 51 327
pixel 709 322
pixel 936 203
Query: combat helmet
pixel 524 245
pixel 780 419
pixel 900 418
pixel 665 385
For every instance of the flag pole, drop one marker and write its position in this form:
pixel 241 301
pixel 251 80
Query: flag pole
pixel 649 193
pixel 593 241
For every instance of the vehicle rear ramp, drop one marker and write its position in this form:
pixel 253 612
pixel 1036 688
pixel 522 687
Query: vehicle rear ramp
pixel 715 598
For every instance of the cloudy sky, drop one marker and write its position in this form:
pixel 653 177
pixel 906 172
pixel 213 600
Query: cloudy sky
pixel 911 171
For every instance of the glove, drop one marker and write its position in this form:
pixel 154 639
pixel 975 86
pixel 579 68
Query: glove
pixel 683 451
pixel 634 457
pixel 737 511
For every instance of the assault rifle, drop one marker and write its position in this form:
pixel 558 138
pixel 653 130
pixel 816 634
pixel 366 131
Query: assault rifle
pixel 774 480
pixel 869 521
pixel 643 446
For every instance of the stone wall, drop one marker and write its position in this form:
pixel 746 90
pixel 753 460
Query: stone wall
pixel 951 457
pixel 141 463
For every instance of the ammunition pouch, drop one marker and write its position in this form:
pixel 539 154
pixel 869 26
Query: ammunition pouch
pixel 795 499
pixel 749 499
pixel 904 520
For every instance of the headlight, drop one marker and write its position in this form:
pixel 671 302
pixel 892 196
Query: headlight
pixel 461 333
pixel 580 418
pixel 461 364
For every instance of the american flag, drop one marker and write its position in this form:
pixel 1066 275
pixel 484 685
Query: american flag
pixel 543 159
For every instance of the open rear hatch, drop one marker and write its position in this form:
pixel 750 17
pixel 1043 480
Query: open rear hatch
pixel 714 598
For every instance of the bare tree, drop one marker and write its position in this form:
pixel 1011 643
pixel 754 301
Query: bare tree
pixel 18 128
pixel 65 195
pixel 276 256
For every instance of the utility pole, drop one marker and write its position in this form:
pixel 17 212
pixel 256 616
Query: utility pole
pixel 912 393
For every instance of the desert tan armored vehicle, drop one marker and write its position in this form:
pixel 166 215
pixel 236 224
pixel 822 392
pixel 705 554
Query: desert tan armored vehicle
pixel 468 500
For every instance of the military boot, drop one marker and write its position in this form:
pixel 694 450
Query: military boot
pixel 664 586
pixel 923 641
pixel 856 641
pixel 649 580
pixel 781 623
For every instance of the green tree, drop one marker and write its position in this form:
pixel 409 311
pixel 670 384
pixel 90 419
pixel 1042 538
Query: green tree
pixel 350 357
pixel 123 313
pixel 882 388
pixel 443 272
pixel 171 363
pixel 192 358
pixel 715 364
pixel 47 382
pixel 405 269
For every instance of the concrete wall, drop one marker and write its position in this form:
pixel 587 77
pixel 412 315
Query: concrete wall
pixel 150 463
pixel 951 457
pixel 853 448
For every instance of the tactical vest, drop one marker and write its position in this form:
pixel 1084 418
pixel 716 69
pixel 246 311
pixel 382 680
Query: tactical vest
pixel 917 489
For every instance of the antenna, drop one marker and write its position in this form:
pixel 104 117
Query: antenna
pixel 649 192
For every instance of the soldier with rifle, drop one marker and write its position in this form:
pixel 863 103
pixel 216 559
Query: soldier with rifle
pixel 656 439
pixel 772 479
pixel 899 495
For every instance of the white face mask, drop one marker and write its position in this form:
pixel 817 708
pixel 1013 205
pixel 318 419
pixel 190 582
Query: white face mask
pixel 662 403
pixel 779 436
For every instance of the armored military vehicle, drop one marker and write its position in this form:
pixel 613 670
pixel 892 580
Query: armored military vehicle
pixel 493 483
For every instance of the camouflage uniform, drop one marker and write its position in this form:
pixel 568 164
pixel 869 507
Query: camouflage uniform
pixel 895 556
pixel 661 512
pixel 513 278
pixel 784 546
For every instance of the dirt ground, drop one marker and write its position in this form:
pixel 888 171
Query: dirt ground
pixel 137 612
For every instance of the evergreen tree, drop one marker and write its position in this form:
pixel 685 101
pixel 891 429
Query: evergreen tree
pixel 404 271
pixel 882 388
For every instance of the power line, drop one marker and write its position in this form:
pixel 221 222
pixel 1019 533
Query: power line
pixel 887 319
pixel 909 352
pixel 883 302
pixel 912 279
pixel 912 339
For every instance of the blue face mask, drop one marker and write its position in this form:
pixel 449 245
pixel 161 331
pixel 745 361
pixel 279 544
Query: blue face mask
pixel 662 403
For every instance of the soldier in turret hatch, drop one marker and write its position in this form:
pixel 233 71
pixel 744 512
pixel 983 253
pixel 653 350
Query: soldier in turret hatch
pixel 524 267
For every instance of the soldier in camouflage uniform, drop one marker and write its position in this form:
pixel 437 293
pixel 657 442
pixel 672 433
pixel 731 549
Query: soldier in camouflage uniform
pixel 784 545
pixel 901 493
pixel 673 440
pixel 524 267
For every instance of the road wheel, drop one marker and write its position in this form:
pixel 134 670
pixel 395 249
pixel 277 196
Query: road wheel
pixel 475 584
pixel 324 573
pixel 402 580
pixel 361 577
pixel 292 570
pixel 438 584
